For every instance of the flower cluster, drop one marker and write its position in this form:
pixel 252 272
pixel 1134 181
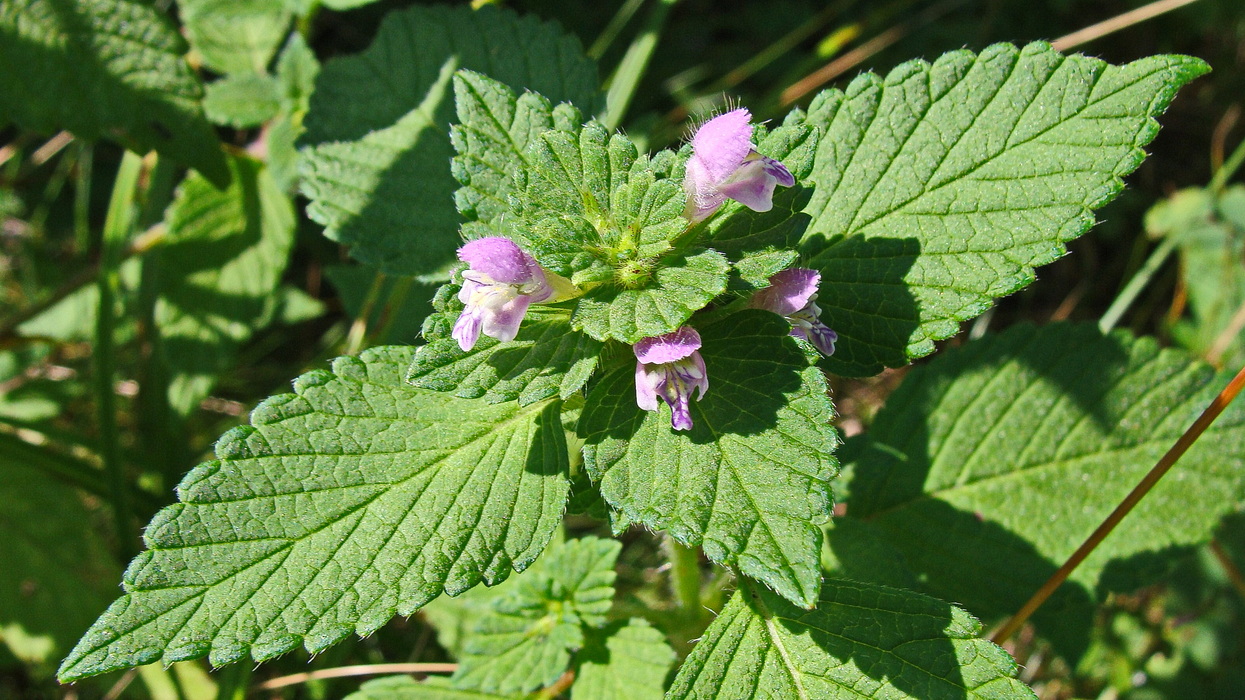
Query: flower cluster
pixel 502 280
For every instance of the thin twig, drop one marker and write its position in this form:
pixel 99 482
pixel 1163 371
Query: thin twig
pixel 1135 285
pixel 53 146
pixel 1219 137
pixel 1126 506
pixel 141 244
pixel 1115 24
pixel 122 683
pixel 349 671
pixel 1229 567
pixel 559 686
pixel 1224 339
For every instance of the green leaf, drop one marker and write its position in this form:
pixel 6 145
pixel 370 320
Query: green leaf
pixel 297 69
pixel 235 36
pixel 407 688
pixel 943 186
pixel 220 269
pixel 57 573
pixel 105 68
pixel 991 464
pixel 242 100
pixel 526 640
pixel 356 498
pixel 491 138
pixel 628 660
pixel 679 288
pixel 862 641
pixel 750 481
pixel 546 359
pixel 376 162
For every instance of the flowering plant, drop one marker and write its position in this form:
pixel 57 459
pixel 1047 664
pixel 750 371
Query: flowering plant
pixel 647 341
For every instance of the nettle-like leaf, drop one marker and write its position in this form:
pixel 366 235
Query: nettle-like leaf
pixel 627 660
pixel 1019 445
pixel 861 641
pixel 750 481
pixel 679 288
pixel 242 100
pixel 219 272
pixel 526 640
pixel 354 499
pixel 377 150
pixel 491 138
pixel 235 37
pixel 941 187
pixel 546 359
pixel 105 68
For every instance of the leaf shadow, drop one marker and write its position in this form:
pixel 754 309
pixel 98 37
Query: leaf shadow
pixel 864 296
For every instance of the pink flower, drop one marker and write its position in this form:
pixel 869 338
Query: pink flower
pixel 670 367
pixel 725 164
pixel 497 289
pixel 792 294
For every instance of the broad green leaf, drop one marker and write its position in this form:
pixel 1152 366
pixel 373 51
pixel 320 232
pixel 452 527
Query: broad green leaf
pixel 546 359
pixel 628 660
pixel 219 271
pixel 861 641
pixel 242 100
pixel 407 688
pixel 526 640
pixel 297 69
pixel 235 36
pixel 377 158
pixel 990 465
pixel 750 481
pixel 109 68
pixel 941 187
pixel 491 139
pixel 679 288
pixel 57 573
pixel 356 498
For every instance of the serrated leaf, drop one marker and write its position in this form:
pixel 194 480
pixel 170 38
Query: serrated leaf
pixel 679 288
pixel 297 69
pixel 1018 445
pixel 942 186
pixel 235 36
pixel 407 688
pixel 356 498
pixel 753 270
pixel 628 660
pixel 862 641
pixel 526 640
pixel 105 68
pixel 219 271
pixel 57 571
pixel 750 481
pixel 491 138
pixel 376 162
pixel 546 359
pixel 242 100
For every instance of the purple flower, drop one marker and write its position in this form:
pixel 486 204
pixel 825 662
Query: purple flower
pixel 670 368
pixel 725 164
pixel 792 294
pixel 497 289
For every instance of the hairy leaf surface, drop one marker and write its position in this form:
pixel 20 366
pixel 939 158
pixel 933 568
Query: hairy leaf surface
pixel 526 639
pixel 356 498
pixel 105 68
pixel 861 641
pixel 377 162
pixel 627 660
pixel 941 187
pixel 750 481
